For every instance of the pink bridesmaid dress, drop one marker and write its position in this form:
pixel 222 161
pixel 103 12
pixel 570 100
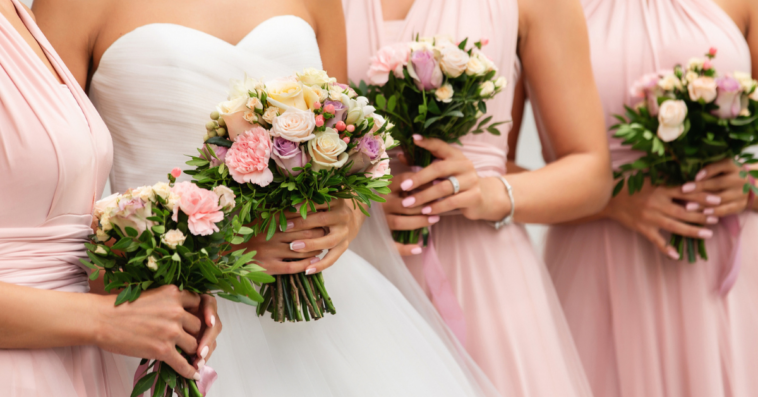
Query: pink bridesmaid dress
pixel 55 155
pixel 514 328
pixel 646 325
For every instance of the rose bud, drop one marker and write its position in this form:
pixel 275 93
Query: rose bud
pixel 176 172
pixel 319 121
pixel 706 65
pixel 346 139
pixel 350 128
pixel 329 108
pixel 317 105
pixel 340 126
pixel 712 51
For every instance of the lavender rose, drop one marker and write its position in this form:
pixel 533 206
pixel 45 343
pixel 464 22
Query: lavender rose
pixel 339 112
pixel 425 70
pixel 729 99
pixel 368 151
pixel 287 155
pixel 220 153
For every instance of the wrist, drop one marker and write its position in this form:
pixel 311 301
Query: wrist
pixel 498 204
pixel 98 310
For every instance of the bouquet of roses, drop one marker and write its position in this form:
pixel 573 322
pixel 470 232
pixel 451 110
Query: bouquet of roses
pixel 688 118
pixel 288 145
pixel 434 88
pixel 172 234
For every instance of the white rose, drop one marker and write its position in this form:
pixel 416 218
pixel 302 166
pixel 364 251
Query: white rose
pixel 172 238
pixel 703 88
pixel 671 117
pixel 475 67
pixel 152 264
pixel 335 92
pixel 746 81
pixel 378 122
pixel 486 88
pixel 690 76
pixel 327 150
pixel 695 64
pixel 232 106
pixel 389 141
pixel 754 95
pixel 669 83
pixel 453 60
pixel 444 93
pixel 354 112
pixel 500 82
pixel 242 88
pixel 294 125
pixel 250 117
pixel 226 197
pixel 254 103
pixel 486 61
pixel 286 93
pixel 105 204
pixel 425 44
pixel 100 250
pixel 102 236
pixel 323 94
pixel 311 76
pixel 173 201
pixel 162 189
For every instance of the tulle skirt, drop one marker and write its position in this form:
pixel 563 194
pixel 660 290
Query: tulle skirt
pixel 646 325
pixel 77 371
pixel 515 330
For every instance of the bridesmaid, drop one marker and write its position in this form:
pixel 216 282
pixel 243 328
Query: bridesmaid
pixel 56 339
pixel 646 324
pixel 512 323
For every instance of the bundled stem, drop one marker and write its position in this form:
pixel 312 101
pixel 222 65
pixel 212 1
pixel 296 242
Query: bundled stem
pixel 296 297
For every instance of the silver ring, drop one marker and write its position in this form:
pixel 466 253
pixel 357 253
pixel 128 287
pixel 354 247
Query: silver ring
pixel 456 185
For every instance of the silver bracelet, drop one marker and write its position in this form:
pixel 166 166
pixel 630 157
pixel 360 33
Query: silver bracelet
pixel 508 219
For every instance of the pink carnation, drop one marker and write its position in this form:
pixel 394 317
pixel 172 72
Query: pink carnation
pixel 201 207
pixel 248 157
pixel 380 169
pixel 390 58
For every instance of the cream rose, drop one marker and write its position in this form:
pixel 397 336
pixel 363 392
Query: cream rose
pixel 354 112
pixel 486 88
pixel 145 193
pixel 444 93
pixel 270 114
pixel 286 93
pixel 486 61
pixel 746 81
pixel 475 67
pixel 254 103
pixel 671 117
pixel 226 197
pixel 690 77
pixel 453 60
pixel 100 250
pixel 162 189
pixel 173 201
pixel 106 204
pixel 323 94
pixel 232 112
pixel 703 88
pixel 242 88
pixel 327 150
pixel 152 264
pixel 695 64
pixel 311 76
pixel 311 97
pixel 250 117
pixel 173 238
pixel 669 82
pixel 102 236
pixel 501 82
pixel 294 125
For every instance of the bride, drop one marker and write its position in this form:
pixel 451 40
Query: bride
pixel 154 70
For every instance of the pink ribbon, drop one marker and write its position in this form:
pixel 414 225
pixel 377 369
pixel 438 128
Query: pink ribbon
pixel 443 296
pixel 207 376
pixel 732 224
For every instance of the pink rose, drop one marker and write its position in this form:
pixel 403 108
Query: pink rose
pixel 380 169
pixel 642 87
pixel 425 70
pixel 248 157
pixel 201 206
pixel 729 99
pixel 388 59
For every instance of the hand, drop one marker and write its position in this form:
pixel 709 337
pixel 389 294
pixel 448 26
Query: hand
pixel 717 190
pixel 211 327
pixel 152 326
pixel 276 256
pixel 403 218
pixel 652 209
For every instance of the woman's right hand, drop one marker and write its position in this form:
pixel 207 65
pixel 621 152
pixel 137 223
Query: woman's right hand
pixel 653 209
pixel 271 254
pixel 400 217
pixel 151 327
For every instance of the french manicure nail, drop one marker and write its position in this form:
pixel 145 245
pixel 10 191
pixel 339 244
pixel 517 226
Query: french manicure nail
pixel 310 270
pixel 213 320
pixel 314 260
pixel 433 219
pixel 672 253
pixel 408 201
pixel 200 365
pixel 692 206
pixel 417 137
pixel 196 376
pixel 688 187
pixel 416 250
pixel 709 211
pixel 290 225
pixel 705 233
pixel 715 200
pixel 204 352
pixel 406 185
pixel 426 210
pixel 700 175
pixel 297 245
pixel 711 220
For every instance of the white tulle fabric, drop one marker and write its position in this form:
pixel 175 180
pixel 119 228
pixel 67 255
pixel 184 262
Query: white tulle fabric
pixel 154 88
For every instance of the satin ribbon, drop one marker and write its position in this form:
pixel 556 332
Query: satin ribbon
pixel 732 224
pixel 207 376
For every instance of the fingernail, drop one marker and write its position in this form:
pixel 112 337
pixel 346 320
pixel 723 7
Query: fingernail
pixel 196 376
pixel 688 187
pixel 433 219
pixel 200 365
pixel 204 352
pixel 314 260
pixel 426 210
pixel 692 206
pixel 408 201
pixel 290 225
pixel 715 200
pixel 213 320
pixel 297 245
pixel 705 233
pixel 711 220
pixel 310 270
pixel 700 175
pixel 673 253
pixel 406 185
pixel 417 137
pixel 416 250
pixel 709 211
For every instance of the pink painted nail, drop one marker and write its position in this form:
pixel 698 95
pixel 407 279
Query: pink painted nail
pixel 672 253
pixel 692 206
pixel 705 233
pixel 406 185
pixel 408 201
pixel 701 175
pixel 314 260
pixel 200 365
pixel 297 245
pixel 204 352
pixel 688 187
pixel 433 219
pixel 213 320
pixel 196 376
pixel 417 137
pixel 715 200
pixel 290 225
pixel 310 270
pixel 416 250
pixel 709 211
pixel 426 210
pixel 711 220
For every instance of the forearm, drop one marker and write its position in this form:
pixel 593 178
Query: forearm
pixel 33 318
pixel 513 168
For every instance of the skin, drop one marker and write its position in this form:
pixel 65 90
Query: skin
pixel 717 194
pixel 550 33
pixel 150 328
pixel 82 30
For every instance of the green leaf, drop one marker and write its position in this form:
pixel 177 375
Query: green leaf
pixel 433 108
pixel 132 232
pixel 462 45
pixel 123 295
pixel 430 121
pixel 455 113
pixel 237 240
pixel 381 101
pixel 260 277
pixel 145 383
pixel 159 229
pixel 146 284
pixel 245 231
pixel 218 141
pixel 176 257
pixel 135 293
pixel 271 229
pixel 94 275
pixel 391 103
pixel 482 107
pixel 87 263
pixel 198 162
pixel 619 186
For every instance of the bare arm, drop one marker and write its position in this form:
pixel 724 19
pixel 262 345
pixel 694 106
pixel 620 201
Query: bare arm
pixel 517 115
pixel 331 36
pixel 752 41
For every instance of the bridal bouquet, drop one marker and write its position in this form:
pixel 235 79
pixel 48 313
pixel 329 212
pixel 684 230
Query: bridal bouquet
pixel 285 146
pixel 688 118
pixel 434 88
pixel 172 234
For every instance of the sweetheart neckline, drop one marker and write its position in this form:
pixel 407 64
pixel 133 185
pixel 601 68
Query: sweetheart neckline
pixel 224 42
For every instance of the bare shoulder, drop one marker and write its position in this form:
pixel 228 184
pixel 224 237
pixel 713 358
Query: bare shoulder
pixel 556 15
pixel 29 10
pixel 324 11
pixel 76 15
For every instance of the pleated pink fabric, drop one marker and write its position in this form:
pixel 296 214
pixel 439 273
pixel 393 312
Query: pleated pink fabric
pixel 515 330
pixel 55 155
pixel 646 325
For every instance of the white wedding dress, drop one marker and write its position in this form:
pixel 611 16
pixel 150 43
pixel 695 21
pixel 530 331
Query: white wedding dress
pixel 155 87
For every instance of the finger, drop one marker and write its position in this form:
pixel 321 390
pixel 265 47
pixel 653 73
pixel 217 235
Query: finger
pixel 212 330
pixel 445 188
pixel 454 202
pixel 329 241
pixel 717 168
pixel 398 179
pixel 190 300
pixel 678 212
pixel 408 249
pixel 439 149
pixel 180 365
pixel 704 199
pixel 187 343
pixel 399 222
pixel 191 324
pixel 732 208
pixel 716 185
pixel 437 170
pixel 292 267
pixel 330 258
pixel 394 205
pixel 401 157
pixel 321 219
pixel 291 235
pixel 674 226
pixel 655 237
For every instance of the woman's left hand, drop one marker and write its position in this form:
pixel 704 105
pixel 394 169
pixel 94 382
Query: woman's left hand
pixel 717 190
pixel 208 314
pixel 477 198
